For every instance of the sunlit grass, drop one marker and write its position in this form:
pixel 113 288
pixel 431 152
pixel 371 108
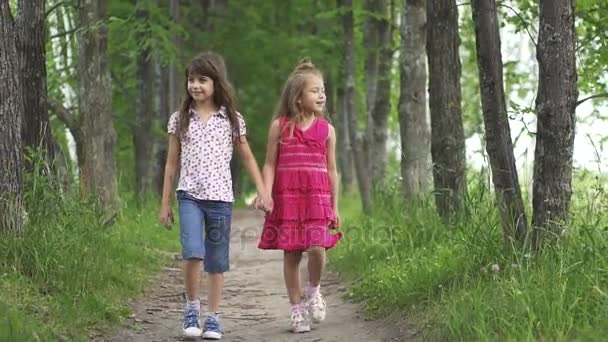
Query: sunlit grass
pixel 69 271
pixel 463 283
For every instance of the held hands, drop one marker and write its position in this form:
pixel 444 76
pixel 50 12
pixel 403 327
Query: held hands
pixel 263 202
pixel 166 217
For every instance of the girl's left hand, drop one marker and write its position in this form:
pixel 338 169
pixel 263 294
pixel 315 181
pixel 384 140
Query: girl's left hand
pixel 260 204
pixel 335 224
pixel 267 202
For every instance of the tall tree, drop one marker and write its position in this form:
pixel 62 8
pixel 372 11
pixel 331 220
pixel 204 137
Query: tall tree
pixel 371 41
pixel 97 161
pixel 555 109
pixel 11 111
pixel 497 131
pixel 36 131
pixel 447 132
pixel 144 110
pixel 378 132
pixel 343 147
pixel 414 127
pixel 360 159
pixel 163 111
pixel 174 86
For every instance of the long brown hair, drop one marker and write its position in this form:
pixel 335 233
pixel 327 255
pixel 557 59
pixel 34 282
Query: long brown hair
pixel 292 91
pixel 212 65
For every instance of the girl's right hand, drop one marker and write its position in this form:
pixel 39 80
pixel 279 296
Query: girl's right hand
pixel 267 202
pixel 259 204
pixel 166 217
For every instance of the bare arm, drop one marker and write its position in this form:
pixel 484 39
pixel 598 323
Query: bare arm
pixel 171 167
pixel 332 168
pixel 274 135
pixel 251 165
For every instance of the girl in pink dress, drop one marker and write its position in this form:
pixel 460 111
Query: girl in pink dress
pixel 300 173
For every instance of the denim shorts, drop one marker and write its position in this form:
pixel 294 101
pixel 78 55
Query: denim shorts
pixel 205 231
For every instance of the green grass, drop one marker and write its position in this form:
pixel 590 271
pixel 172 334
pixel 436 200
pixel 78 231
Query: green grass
pixel 403 258
pixel 69 272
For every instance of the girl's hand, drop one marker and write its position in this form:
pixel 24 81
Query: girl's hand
pixel 260 204
pixel 335 224
pixel 166 217
pixel 267 202
pixel 257 203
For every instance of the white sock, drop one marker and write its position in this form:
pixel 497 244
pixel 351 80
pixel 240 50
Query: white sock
pixel 195 304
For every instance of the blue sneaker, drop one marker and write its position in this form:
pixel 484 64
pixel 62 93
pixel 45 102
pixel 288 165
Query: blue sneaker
pixel 192 323
pixel 213 330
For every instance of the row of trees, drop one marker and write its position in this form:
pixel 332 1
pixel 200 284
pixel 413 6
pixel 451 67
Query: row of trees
pixel 431 28
pixel 114 82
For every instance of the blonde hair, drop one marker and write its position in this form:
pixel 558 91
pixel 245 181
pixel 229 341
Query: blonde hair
pixel 288 106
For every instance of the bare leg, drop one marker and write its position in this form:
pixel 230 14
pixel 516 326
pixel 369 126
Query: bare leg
pixel 192 272
pixel 291 272
pixel 215 287
pixel 316 265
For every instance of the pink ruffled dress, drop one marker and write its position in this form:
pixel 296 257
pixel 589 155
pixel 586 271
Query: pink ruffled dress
pixel 303 210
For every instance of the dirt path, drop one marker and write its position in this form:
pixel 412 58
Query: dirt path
pixel 255 306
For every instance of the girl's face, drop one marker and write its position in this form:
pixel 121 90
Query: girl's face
pixel 312 99
pixel 200 88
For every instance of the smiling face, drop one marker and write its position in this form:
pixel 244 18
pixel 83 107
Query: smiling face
pixel 312 98
pixel 201 88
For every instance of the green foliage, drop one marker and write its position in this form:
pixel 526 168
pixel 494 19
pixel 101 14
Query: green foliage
pixel 592 32
pixel 471 100
pixel 70 271
pixel 591 35
pixel 466 284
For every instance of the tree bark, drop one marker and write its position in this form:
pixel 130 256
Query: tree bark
pixel 555 108
pixel 36 132
pixel 497 131
pixel 97 160
pixel 447 132
pixel 382 102
pixel 11 111
pixel 174 85
pixel 350 106
pixel 163 112
pixel 144 115
pixel 414 128
pixel 371 41
pixel 343 147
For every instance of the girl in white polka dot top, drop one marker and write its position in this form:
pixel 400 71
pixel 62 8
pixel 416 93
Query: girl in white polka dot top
pixel 202 135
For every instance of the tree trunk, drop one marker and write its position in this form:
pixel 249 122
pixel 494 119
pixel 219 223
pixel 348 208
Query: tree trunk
pixel 97 167
pixel 497 131
pixel 382 103
pixel 174 85
pixel 36 131
pixel 163 112
pixel 350 106
pixel 447 132
pixel 555 108
pixel 144 115
pixel 11 110
pixel 414 128
pixel 371 38
pixel 343 149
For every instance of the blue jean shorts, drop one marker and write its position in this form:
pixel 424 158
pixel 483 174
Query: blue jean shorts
pixel 205 231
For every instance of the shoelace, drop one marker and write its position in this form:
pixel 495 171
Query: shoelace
pixel 212 324
pixel 297 316
pixel 317 302
pixel 191 318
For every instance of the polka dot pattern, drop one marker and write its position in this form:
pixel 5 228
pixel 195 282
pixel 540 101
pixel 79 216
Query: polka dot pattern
pixel 206 151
